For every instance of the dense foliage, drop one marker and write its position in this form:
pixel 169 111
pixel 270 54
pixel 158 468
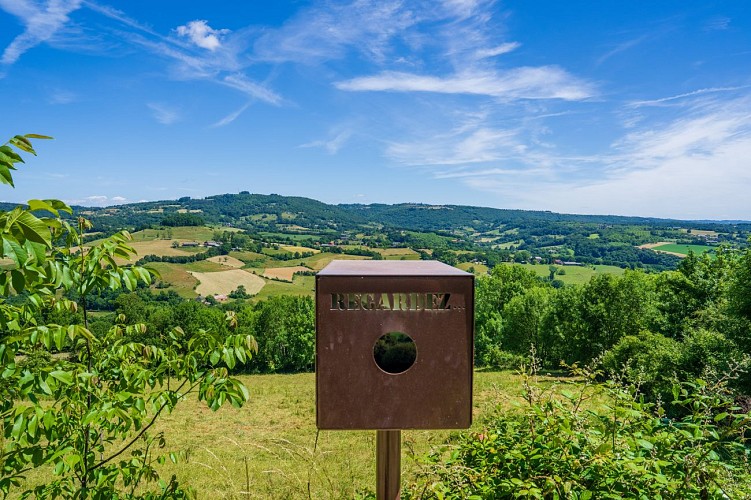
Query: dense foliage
pixel 566 445
pixel 688 323
pixel 81 402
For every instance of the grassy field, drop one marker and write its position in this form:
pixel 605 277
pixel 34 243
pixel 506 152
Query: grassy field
pixel 398 253
pixel 224 282
pixel 301 285
pixel 575 275
pixel 180 280
pixel 683 249
pixel 479 268
pixel 319 261
pixel 275 433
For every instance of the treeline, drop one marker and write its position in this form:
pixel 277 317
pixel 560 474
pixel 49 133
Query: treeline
pixel 283 326
pixel 184 259
pixel 689 323
pixel 183 219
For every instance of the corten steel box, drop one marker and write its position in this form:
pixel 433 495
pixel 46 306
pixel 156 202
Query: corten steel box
pixel 357 302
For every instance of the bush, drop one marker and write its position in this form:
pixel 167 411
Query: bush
pixel 559 448
pixel 649 361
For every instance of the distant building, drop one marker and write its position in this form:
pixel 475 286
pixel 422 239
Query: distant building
pixel 572 263
pixel 189 244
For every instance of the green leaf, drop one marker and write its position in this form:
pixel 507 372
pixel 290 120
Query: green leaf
pixel 33 228
pixel 5 176
pixel 22 143
pixel 63 376
pixel 645 444
pixel 37 136
pixel 13 250
pixel 18 280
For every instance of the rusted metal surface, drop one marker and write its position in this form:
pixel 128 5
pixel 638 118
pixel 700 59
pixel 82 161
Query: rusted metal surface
pixel 357 302
pixel 388 465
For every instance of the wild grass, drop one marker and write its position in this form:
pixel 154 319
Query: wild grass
pixel 270 448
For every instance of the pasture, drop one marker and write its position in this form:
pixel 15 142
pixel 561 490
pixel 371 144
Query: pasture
pixel 575 275
pixel 478 268
pixel 682 250
pixel 224 282
pixel 179 280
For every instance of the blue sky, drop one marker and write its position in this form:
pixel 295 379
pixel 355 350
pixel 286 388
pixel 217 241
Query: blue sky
pixel 607 107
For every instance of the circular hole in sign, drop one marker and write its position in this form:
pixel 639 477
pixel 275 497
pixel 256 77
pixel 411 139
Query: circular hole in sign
pixel 395 352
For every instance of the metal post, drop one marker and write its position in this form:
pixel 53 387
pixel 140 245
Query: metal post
pixel 388 465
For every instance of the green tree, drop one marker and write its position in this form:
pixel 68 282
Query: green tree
pixel 87 412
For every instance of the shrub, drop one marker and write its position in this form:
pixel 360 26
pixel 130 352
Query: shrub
pixel 560 446
pixel 649 361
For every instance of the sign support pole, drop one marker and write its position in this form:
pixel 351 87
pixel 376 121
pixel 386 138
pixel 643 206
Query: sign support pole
pixel 388 465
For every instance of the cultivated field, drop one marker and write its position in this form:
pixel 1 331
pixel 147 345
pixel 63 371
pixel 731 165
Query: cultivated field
pixel 227 261
pixel 293 249
pixel 283 273
pixel 224 282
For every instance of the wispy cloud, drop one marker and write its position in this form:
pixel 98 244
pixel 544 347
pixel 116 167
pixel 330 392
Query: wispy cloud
pixel 232 116
pixel 684 166
pixel 244 84
pixel 42 23
pixel 60 96
pixel 504 48
pixel 329 31
pixel 694 93
pixel 547 82
pixel 621 47
pixel 332 145
pixel 200 33
pixel 719 23
pixel 164 114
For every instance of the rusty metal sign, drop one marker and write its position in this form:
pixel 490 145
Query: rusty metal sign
pixel 394 345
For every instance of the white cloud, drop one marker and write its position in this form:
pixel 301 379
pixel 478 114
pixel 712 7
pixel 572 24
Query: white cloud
pixel 546 82
pixel 690 166
pixel 201 34
pixel 42 24
pixel 163 113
